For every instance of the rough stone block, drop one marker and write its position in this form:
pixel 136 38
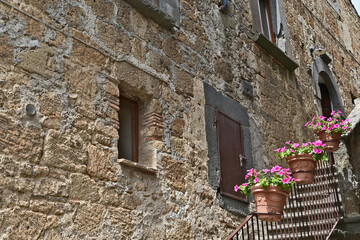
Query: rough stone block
pixel 6 53
pixel 177 127
pixel 99 165
pixel 63 151
pixel 184 82
pixel 174 172
pixel 113 37
pixel 38 61
pixel 20 224
pixel 83 188
pixel 171 48
pixel 88 218
pixel 50 187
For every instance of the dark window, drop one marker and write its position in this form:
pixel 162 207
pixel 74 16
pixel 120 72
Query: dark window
pixel 325 100
pixel 231 153
pixel 266 20
pixel 129 130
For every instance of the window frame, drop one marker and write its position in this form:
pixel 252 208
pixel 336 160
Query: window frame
pixel 281 55
pixel 135 122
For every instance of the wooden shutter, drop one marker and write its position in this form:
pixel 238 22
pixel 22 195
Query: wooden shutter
pixel 232 160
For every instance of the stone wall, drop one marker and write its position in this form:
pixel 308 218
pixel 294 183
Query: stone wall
pixel 60 174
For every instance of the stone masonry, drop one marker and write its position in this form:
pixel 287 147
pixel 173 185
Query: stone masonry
pixel 69 60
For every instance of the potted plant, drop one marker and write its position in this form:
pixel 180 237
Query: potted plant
pixel 270 188
pixel 330 129
pixel 302 158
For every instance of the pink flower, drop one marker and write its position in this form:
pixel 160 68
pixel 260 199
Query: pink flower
pixel 296 145
pixel 336 126
pixel 314 118
pixel 317 151
pixel 281 173
pixel 295 179
pixel 322 118
pixel 332 113
pixel 329 119
pixel 266 170
pixel 292 151
pixel 314 127
pixel 329 129
pixel 256 180
pixel 245 184
pixel 283 149
pixel 318 143
pixel 277 150
pixel 246 176
pixel 275 169
pixel 347 120
pixel 305 144
pixel 306 124
pixel 339 111
pixel 318 124
pixel 323 128
pixel 311 124
pixel 336 120
pixel 344 127
pixel 288 142
pixel 236 188
pixel 286 169
pixel 286 180
pixel 350 130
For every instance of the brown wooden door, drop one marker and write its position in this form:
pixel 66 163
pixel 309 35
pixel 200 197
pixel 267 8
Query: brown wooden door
pixel 232 160
pixel 325 100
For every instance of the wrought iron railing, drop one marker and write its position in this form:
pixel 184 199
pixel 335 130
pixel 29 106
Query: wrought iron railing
pixel 311 211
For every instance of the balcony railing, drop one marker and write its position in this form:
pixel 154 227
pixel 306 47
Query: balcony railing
pixel 311 211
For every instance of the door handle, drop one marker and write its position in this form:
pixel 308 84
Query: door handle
pixel 241 158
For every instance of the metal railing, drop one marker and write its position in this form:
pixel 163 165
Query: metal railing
pixel 311 211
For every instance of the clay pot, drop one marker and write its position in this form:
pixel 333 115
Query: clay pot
pixel 332 140
pixel 269 202
pixel 302 167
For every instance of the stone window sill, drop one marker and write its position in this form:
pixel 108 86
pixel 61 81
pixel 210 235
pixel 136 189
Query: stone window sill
pixel 275 52
pixel 166 14
pixel 137 166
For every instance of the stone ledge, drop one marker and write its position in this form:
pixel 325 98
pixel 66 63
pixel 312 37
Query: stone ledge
pixel 166 14
pixel 275 52
pixel 138 166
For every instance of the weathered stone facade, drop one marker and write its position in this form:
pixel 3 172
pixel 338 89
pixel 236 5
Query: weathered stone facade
pixel 69 59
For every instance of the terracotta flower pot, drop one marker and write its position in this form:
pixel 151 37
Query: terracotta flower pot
pixel 269 202
pixel 332 140
pixel 302 167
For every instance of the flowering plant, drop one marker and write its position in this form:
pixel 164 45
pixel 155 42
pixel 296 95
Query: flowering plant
pixel 278 176
pixel 314 148
pixel 333 124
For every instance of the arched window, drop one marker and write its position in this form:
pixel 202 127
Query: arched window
pixel 327 91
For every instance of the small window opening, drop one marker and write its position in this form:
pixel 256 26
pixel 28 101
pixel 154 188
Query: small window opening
pixel 129 129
